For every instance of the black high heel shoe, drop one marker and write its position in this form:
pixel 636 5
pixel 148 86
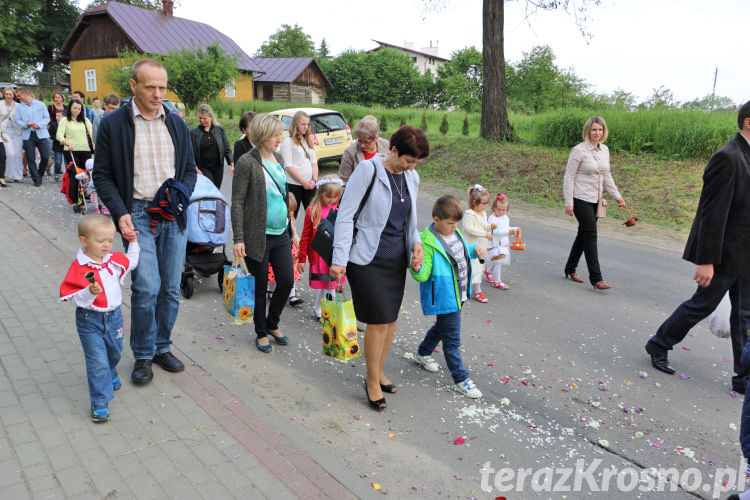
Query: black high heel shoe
pixel 390 388
pixel 377 405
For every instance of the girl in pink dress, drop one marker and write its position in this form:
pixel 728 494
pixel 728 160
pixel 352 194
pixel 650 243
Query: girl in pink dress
pixel 326 198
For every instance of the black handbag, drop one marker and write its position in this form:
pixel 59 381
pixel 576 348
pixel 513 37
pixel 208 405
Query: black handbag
pixel 322 242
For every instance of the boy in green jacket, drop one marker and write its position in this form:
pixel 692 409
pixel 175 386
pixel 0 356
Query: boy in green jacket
pixel 444 287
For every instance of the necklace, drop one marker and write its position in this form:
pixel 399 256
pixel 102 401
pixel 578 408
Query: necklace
pixel 401 181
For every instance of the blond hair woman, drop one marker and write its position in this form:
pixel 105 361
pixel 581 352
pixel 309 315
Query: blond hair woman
pixel 260 222
pixel 300 162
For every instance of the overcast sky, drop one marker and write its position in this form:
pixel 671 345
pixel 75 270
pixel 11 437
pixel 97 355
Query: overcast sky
pixel 636 45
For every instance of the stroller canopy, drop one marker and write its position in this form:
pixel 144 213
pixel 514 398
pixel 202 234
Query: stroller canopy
pixel 207 215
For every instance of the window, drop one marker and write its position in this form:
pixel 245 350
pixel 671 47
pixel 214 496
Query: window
pixel 90 75
pixel 414 59
pixel 229 90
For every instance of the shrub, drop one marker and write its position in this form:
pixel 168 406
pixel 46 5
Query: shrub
pixel 444 125
pixel 465 128
pixel 423 121
pixel 402 121
pixel 383 123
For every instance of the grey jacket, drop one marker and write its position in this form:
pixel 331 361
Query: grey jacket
pixel 249 203
pixel 374 215
pixel 353 156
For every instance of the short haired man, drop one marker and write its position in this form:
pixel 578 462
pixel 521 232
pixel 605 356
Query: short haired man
pixel 32 117
pixel 140 146
pixel 719 246
pixel 77 94
pixel 111 103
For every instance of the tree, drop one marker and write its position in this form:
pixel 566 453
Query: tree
pixel 385 77
pixel 196 75
pixel 144 4
pixel 288 41
pixel 709 103
pixel 33 31
pixel 118 75
pixel 323 50
pixel 199 75
pixel 58 18
pixel 661 97
pixel 461 80
pixel 495 126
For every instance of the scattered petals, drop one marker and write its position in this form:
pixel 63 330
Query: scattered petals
pixel 459 441
pixel 408 355
pixel 391 435
pixel 604 443
pixel 376 486
pixel 732 426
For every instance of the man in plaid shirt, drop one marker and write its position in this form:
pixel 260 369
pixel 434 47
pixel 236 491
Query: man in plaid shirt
pixel 138 147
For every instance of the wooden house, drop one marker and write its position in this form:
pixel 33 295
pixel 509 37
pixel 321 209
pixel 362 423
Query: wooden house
pixel 105 30
pixel 297 79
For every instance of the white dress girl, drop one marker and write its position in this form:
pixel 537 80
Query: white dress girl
pixel 14 143
pixel 498 253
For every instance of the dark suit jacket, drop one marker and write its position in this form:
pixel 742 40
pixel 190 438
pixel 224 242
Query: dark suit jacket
pixel 113 161
pixel 721 230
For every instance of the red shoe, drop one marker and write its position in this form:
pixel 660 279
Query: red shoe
pixel 501 285
pixel 479 297
pixel 489 277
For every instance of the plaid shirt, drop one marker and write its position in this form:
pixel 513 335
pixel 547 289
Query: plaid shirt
pixel 153 160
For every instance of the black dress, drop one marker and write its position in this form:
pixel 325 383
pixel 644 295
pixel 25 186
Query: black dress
pixel 378 287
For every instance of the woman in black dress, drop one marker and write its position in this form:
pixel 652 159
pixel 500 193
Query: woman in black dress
pixel 375 250
pixel 210 146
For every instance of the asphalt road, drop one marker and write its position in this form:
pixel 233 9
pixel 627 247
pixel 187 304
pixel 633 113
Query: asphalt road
pixel 565 378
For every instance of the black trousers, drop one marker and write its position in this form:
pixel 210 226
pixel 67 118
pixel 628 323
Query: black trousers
pixel 2 160
pixel 279 255
pixel 699 306
pixel 303 196
pixel 80 158
pixel 214 173
pixel 585 242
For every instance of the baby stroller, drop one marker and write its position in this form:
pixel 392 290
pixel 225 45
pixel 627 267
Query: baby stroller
pixel 78 197
pixel 207 230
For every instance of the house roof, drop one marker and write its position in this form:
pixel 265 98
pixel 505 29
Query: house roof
pixel 285 69
pixel 155 33
pixel 426 54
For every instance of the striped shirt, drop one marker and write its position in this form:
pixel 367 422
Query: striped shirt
pixel 153 159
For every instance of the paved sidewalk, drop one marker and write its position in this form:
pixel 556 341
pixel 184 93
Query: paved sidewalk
pixel 183 436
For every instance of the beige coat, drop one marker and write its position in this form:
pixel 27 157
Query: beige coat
pixel 353 155
pixel 588 174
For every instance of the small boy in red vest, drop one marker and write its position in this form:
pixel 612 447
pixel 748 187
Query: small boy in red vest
pixel 94 283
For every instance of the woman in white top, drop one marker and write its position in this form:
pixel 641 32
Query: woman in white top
pixel 11 137
pixel 300 162
pixel 586 176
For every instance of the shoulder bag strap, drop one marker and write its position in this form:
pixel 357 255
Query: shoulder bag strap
pixel 88 136
pixel 364 200
pixel 281 192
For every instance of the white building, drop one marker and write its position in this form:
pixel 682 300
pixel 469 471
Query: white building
pixel 425 59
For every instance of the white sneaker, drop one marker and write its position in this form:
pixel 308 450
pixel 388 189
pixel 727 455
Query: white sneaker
pixel 469 389
pixel 426 362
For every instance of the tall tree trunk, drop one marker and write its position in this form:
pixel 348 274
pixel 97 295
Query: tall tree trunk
pixel 495 125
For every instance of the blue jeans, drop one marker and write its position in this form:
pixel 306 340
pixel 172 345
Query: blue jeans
pixel 447 328
pixel 43 145
pixel 101 339
pixel 58 162
pixel 156 283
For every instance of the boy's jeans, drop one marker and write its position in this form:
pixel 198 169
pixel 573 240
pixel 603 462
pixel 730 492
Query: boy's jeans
pixel 156 283
pixel 58 162
pixel 447 328
pixel 101 339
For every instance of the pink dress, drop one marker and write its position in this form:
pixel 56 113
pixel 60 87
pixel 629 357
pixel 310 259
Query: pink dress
pixel 320 279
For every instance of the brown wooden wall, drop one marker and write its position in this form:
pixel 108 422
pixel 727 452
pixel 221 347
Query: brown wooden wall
pixel 101 39
pixel 311 76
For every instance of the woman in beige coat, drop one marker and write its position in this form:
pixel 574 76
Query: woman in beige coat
pixel 586 176
pixel 368 144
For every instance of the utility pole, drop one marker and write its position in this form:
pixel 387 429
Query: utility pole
pixel 713 92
